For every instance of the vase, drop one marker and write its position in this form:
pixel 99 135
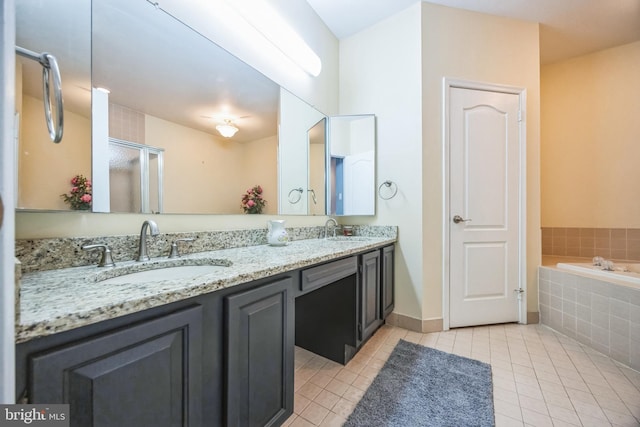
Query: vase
pixel 276 233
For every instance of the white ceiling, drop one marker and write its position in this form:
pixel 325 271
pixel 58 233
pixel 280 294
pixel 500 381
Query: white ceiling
pixel 568 27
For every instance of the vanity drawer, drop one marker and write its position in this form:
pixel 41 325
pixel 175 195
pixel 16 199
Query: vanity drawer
pixel 316 277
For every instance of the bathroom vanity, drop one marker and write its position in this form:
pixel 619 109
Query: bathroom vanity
pixel 213 350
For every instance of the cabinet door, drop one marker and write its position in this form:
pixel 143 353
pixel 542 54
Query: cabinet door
pixel 259 355
pixel 371 316
pixel 387 280
pixel 148 374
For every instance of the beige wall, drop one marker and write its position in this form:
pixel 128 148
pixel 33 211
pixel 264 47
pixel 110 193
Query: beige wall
pixel 590 140
pixel 258 167
pixel 380 73
pixel 208 174
pixel 45 169
pixel 395 69
pixel 482 48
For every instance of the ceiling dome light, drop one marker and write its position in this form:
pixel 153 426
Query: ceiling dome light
pixel 227 129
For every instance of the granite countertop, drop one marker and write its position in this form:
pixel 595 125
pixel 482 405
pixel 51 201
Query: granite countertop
pixel 59 300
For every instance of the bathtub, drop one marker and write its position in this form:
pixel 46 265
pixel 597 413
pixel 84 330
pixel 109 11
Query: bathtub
pixel 624 274
pixel 600 309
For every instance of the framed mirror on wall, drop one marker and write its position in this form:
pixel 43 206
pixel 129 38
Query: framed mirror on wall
pixel 351 165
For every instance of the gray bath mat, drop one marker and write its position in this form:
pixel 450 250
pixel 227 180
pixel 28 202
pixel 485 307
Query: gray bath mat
pixel 421 386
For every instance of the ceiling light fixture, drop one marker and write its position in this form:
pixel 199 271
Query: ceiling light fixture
pixel 227 129
pixel 274 28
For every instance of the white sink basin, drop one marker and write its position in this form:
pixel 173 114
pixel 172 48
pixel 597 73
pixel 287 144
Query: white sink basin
pixel 349 239
pixel 158 270
pixel 163 274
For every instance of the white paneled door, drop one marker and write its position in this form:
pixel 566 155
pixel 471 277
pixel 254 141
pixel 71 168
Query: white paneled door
pixel 484 192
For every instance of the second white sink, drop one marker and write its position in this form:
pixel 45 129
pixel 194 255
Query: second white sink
pixel 349 239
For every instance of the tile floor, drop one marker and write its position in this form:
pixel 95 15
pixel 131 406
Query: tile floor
pixel 540 378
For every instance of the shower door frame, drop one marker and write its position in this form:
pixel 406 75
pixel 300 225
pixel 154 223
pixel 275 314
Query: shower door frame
pixel 144 152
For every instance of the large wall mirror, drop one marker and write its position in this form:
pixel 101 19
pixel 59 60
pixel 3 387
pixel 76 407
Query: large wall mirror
pixel 155 84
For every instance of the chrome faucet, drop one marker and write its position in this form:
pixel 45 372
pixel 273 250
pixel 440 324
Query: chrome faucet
pixel 142 247
pixel 326 227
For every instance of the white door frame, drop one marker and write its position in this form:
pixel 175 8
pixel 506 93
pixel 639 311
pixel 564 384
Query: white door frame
pixel 7 192
pixel 447 84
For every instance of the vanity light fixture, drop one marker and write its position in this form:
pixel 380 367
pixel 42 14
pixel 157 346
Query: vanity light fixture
pixel 260 15
pixel 227 129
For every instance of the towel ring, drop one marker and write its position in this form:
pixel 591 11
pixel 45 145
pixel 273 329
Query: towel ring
pixel 388 184
pixel 300 191
pixel 50 70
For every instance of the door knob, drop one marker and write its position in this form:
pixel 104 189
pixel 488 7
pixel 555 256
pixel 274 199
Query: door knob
pixel 458 219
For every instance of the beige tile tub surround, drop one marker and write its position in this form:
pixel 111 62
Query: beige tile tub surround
pixel 600 314
pixel 610 243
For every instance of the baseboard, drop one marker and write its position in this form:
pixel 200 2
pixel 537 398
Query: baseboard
pixel 435 325
pixel 413 324
pixel 431 325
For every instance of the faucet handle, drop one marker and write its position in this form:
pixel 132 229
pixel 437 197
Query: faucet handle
pixel 105 260
pixel 174 253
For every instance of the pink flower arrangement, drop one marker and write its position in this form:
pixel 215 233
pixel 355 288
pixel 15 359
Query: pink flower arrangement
pixel 252 201
pixel 79 198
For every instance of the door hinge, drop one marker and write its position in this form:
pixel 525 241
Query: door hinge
pixel 519 115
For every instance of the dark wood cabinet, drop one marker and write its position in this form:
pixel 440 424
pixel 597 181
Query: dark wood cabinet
pixel 340 304
pixel 223 358
pixel 259 355
pixel 327 317
pixel 147 374
pixel 370 295
pixel 387 277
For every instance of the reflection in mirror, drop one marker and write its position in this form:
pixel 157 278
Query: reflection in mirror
pixel 169 87
pixel 351 173
pixel 44 170
pixel 317 155
pixel 138 168
pixel 296 118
